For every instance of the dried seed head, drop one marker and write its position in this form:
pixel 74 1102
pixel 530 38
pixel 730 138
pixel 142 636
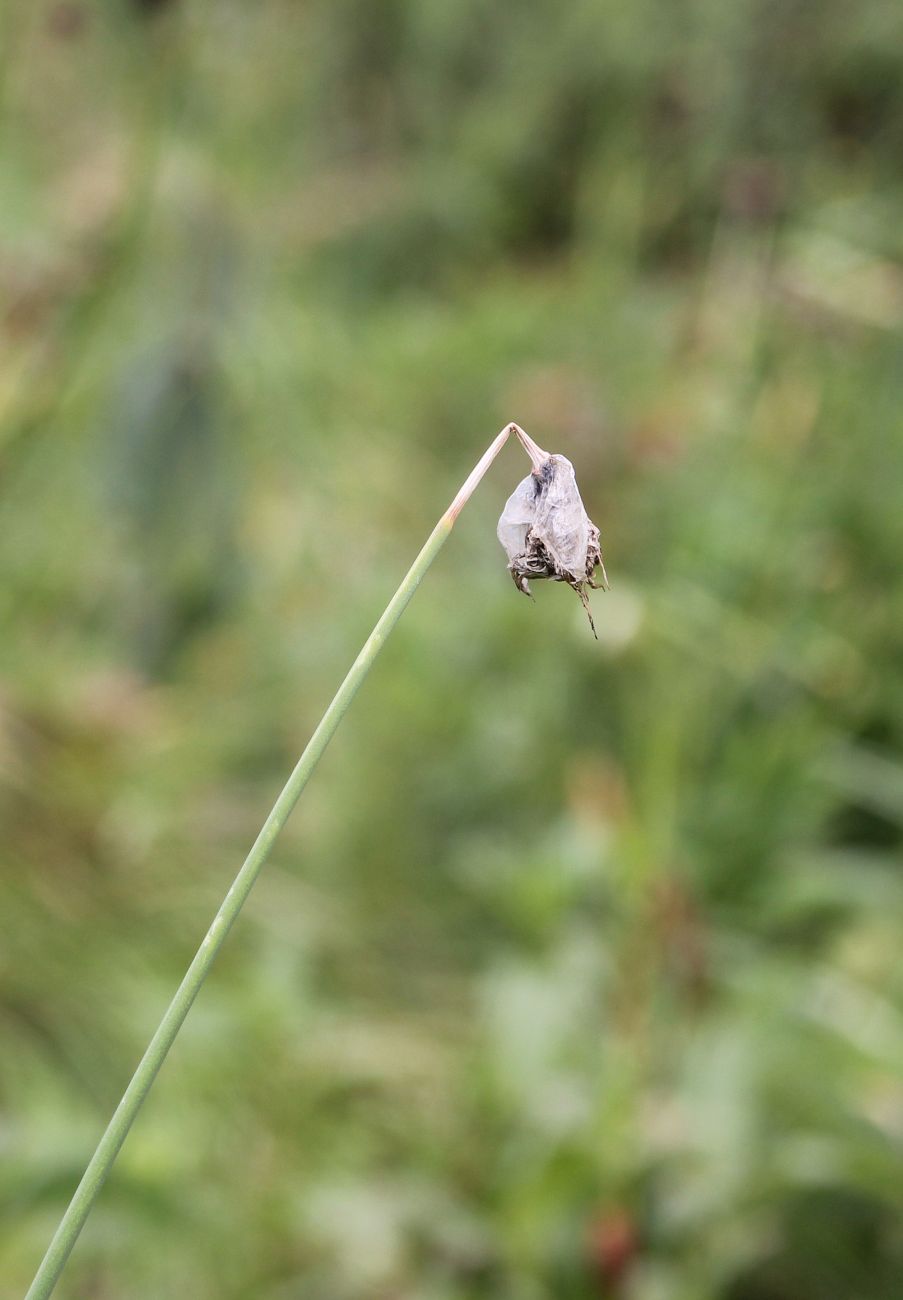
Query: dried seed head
pixel 545 530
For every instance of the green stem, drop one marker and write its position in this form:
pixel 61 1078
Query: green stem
pixel 142 1080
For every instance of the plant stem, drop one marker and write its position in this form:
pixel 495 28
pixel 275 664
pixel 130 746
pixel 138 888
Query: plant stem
pixel 142 1080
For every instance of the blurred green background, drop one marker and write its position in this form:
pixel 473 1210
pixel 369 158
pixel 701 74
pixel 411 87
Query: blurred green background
pixel 578 970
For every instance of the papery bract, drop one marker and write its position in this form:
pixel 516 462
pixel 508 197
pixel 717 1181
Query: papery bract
pixel 546 532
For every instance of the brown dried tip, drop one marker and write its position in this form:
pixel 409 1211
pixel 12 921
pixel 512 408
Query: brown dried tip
pixel 545 530
pixel 538 457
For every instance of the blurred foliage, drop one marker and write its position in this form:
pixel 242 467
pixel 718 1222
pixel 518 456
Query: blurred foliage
pixel 578 971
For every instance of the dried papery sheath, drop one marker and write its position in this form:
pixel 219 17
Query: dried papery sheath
pixel 545 530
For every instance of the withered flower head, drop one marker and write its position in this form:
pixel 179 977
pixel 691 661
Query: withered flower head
pixel 546 532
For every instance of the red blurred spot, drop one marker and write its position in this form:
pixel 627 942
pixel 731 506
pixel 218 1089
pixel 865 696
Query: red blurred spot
pixel 612 1246
pixel 66 21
